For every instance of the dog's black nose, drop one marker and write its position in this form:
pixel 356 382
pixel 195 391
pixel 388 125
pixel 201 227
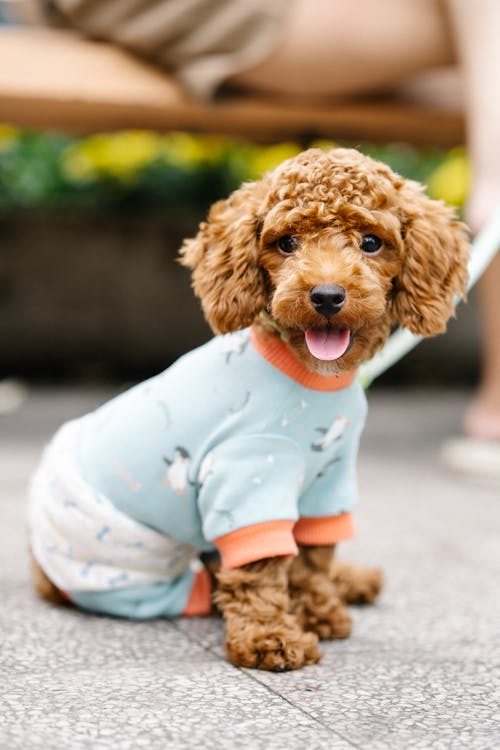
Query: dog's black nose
pixel 328 299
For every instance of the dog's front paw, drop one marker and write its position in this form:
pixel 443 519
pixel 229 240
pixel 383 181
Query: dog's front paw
pixel 277 649
pixel 356 584
pixel 325 616
pixel 337 623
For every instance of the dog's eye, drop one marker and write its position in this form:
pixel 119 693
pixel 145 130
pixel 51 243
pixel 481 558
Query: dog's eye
pixel 371 244
pixel 287 244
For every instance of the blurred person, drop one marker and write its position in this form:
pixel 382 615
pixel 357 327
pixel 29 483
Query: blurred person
pixel 334 48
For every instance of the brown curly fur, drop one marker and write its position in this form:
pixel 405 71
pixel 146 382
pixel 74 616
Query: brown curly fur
pixel 274 609
pixel 43 585
pixel 328 201
pixel 261 629
pixel 314 597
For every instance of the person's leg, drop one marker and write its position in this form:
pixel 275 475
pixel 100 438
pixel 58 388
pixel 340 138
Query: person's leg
pixel 333 47
pixel 476 34
pixel 482 418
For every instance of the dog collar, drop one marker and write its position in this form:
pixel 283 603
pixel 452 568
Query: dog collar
pixel 277 353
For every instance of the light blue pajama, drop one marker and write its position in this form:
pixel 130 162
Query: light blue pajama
pixel 219 442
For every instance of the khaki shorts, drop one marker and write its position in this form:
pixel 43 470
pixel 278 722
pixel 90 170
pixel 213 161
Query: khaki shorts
pixel 200 42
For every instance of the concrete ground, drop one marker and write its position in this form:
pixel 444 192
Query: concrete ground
pixel 421 669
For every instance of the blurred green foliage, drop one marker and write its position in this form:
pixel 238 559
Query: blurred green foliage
pixel 141 170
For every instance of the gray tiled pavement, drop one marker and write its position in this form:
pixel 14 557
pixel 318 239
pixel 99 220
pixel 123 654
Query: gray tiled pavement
pixel 421 669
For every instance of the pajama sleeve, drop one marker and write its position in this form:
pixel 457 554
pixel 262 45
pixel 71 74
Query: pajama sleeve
pixel 326 504
pixel 248 497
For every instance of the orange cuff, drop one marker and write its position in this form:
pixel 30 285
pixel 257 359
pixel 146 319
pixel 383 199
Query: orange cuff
pixel 324 529
pixel 251 543
pixel 200 601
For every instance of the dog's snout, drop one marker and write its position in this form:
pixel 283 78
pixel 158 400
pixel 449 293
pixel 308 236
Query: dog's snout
pixel 328 299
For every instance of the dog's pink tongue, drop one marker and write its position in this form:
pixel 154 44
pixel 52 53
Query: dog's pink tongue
pixel 327 344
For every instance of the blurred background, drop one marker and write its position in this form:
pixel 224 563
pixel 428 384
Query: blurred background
pixel 106 164
pixel 91 226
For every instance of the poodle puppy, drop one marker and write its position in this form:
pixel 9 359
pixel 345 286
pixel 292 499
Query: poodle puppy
pixel 246 447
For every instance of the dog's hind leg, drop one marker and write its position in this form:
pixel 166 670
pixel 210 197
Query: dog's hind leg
pixel 43 585
pixel 356 584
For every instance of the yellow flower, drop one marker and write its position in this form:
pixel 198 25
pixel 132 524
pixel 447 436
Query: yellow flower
pixel 184 150
pixel 267 157
pixel 451 180
pixel 76 164
pixel 119 155
pixel 324 145
pixel 8 137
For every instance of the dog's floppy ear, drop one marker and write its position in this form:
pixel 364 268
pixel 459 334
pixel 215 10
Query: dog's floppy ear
pixel 223 255
pixel 434 265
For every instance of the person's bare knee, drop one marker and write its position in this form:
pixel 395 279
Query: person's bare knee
pixel 328 49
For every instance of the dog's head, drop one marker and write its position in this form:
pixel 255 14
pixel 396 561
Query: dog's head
pixel 333 249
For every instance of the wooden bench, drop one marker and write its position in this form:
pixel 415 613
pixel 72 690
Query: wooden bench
pixel 55 79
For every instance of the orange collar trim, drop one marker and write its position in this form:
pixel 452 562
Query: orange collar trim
pixel 278 354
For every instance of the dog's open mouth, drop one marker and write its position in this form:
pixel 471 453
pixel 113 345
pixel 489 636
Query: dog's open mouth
pixel 328 343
